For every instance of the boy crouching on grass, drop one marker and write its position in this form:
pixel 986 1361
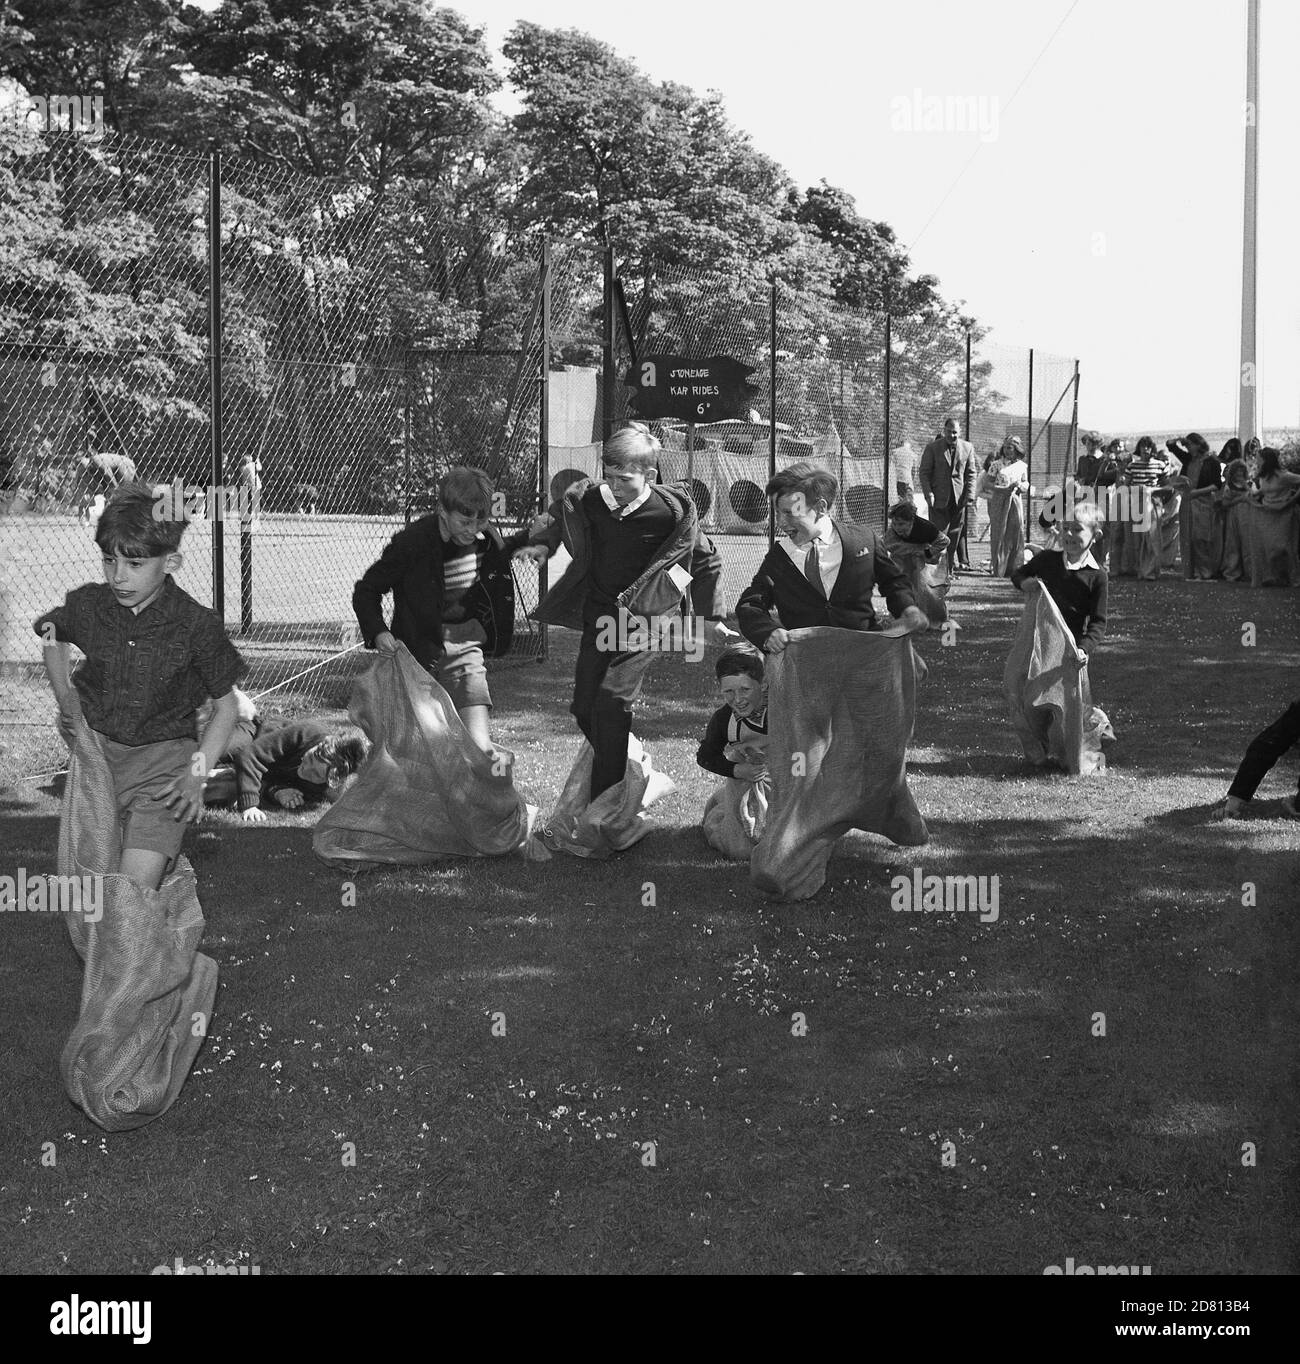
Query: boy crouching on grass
pixel 735 747
pixel 153 655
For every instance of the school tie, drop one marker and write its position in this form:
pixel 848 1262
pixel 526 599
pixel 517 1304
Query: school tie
pixel 812 570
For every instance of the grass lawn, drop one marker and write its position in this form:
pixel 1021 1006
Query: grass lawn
pixel 369 1029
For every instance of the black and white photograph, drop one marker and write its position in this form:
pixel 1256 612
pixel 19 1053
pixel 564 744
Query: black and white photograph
pixel 649 641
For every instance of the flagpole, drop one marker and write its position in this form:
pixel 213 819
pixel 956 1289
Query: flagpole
pixel 1248 373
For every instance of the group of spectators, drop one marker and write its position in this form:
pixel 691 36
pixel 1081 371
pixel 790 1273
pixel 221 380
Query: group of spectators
pixel 1234 515
pixel 1170 508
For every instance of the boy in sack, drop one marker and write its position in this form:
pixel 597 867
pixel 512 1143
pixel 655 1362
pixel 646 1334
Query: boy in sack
pixel 735 747
pixel 635 548
pixel 153 655
pixel 453 595
pixel 823 571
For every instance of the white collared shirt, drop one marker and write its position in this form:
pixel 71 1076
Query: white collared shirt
pixel 830 552
pixel 622 512
pixel 1086 562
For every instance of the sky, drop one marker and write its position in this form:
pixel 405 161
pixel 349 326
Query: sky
pixel 1092 208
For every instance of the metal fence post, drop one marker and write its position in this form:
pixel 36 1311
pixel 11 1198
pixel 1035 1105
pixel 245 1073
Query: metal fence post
pixel 889 377
pixel 771 417
pixel 544 430
pixel 214 371
pixel 1029 419
pixel 407 413
pixel 608 377
pixel 1072 453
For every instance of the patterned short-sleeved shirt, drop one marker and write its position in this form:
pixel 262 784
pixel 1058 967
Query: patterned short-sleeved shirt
pixel 144 677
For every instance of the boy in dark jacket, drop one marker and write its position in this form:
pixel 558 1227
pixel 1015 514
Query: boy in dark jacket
pixel 629 539
pixel 302 763
pixel 1073 579
pixel 453 595
pixel 824 572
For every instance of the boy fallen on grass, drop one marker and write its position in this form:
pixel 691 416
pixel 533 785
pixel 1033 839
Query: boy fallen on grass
pixel 153 656
pixel 735 747
pixel 635 548
pixel 292 767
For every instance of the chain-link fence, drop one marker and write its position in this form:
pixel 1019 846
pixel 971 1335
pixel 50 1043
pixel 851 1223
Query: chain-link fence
pixel 858 392
pixel 368 344
pixel 350 379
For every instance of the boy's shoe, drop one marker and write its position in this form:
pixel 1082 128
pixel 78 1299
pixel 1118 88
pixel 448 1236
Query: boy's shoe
pixel 1231 807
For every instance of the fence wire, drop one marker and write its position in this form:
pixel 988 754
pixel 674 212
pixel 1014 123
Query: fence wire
pixel 368 346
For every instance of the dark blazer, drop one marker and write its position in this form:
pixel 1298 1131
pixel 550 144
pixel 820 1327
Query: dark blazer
pixel 946 482
pixel 411 569
pixel 779 583
pixel 653 593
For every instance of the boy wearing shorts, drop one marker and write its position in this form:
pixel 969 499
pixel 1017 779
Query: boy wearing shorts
pixel 153 655
pixel 453 595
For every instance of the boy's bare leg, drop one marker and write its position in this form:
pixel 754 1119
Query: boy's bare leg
pixel 144 866
pixel 475 719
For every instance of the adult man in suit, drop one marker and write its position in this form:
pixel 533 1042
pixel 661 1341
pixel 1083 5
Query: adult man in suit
pixel 822 573
pixel 948 483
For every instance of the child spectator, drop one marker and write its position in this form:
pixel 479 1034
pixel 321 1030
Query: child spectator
pixel 735 747
pixel 823 572
pixel 152 656
pixel 629 540
pixel 1074 580
pixel 453 595
pixel 1261 753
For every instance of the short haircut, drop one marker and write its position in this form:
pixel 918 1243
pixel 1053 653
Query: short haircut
pixel 902 511
pixel 129 527
pixel 738 662
pixel 816 484
pixel 467 491
pixel 343 752
pixel 1235 468
pixel 1087 514
pixel 1090 437
pixel 632 447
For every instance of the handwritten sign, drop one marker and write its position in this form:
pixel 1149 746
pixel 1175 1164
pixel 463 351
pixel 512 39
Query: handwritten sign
pixel 710 390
